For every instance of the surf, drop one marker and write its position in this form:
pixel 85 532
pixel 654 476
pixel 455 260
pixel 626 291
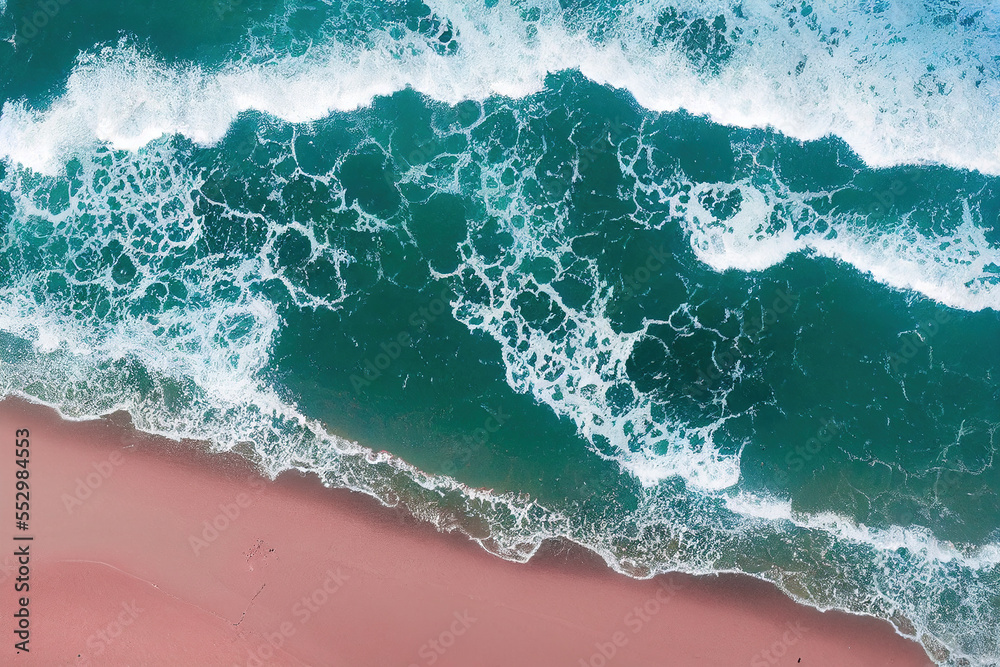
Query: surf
pixel 833 69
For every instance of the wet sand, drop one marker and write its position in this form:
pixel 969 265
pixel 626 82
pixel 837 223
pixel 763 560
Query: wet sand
pixel 151 552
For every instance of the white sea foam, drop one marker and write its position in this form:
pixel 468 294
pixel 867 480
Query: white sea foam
pixel 579 370
pixel 201 104
pixel 904 572
pixel 901 83
pixel 195 367
pixel 196 375
pixel 915 540
pixel 868 90
pixel 959 268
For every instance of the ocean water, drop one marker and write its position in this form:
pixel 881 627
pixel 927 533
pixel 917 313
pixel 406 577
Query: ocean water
pixel 702 286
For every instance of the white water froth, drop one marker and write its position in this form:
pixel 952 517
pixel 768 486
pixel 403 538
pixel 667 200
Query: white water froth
pixel 900 82
pixel 199 382
pixel 579 372
pixel 578 368
pixel 863 89
pixel 195 368
pixel 916 540
pixel 959 268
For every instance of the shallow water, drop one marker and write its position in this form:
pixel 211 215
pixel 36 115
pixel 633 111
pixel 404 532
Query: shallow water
pixel 704 287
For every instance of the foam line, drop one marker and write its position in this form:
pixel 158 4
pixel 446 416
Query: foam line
pixel 907 83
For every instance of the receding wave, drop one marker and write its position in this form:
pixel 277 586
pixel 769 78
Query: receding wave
pixel 734 326
pixel 901 84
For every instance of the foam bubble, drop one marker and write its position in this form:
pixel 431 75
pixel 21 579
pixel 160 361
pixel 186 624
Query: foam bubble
pixel 868 91
pixel 914 539
pixel 900 84
pixel 195 371
pixel 192 361
pixel 956 267
pixel 579 372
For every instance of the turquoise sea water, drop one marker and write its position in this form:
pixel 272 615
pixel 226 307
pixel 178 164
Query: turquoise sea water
pixel 703 286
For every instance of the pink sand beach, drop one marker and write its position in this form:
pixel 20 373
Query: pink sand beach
pixel 151 552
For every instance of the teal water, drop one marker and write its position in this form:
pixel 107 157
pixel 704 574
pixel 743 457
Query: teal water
pixel 703 286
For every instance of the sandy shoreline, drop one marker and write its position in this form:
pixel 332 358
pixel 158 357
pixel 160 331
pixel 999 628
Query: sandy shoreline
pixel 148 552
